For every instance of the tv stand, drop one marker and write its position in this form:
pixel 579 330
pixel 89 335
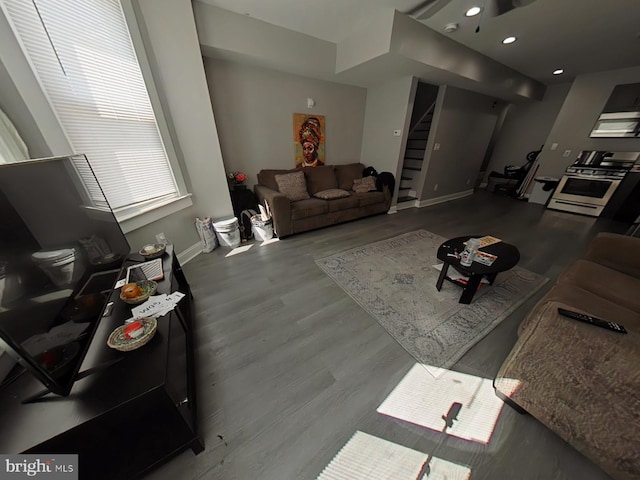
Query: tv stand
pixel 128 412
pixel 42 395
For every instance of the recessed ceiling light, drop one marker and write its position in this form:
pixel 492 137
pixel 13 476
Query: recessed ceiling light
pixel 558 71
pixel 473 11
pixel 509 40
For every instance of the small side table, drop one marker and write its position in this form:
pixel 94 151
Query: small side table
pixel 508 257
pixel 243 199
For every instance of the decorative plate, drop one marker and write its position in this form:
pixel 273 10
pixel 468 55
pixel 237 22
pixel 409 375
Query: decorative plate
pixel 152 251
pixel 119 341
pixel 148 288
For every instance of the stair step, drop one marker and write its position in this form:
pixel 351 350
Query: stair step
pixel 405 178
pixel 415 169
pixel 406 198
pixel 405 188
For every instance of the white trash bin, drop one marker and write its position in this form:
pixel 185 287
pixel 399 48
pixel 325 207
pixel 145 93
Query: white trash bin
pixel 262 229
pixel 228 232
pixel 543 188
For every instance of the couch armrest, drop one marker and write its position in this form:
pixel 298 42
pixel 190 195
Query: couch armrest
pixel 619 252
pixel 279 207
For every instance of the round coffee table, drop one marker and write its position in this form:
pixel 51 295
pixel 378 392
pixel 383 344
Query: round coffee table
pixel 508 257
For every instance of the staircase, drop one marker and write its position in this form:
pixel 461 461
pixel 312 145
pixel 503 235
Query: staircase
pixel 414 157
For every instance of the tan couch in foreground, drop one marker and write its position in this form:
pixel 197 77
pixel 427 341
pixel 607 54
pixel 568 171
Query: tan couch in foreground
pixel 582 381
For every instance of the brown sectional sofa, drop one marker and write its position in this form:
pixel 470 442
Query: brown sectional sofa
pixel 582 381
pixel 291 217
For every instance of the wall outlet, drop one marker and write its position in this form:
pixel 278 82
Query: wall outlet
pixel 553 146
pixel 435 187
pixel 397 133
pixel 468 181
pixel 566 153
pixel 436 146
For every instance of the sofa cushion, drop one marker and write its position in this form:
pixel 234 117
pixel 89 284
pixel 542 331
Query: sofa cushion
pixel 368 198
pixel 346 174
pixel 331 194
pixel 320 178
pixel 605 282
pixel 267 177
pixel 292 185
pixel 365 184
pixel 580 381
pixel 343 204
pixel 308 208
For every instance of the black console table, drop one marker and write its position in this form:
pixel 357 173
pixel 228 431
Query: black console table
pixel 136 411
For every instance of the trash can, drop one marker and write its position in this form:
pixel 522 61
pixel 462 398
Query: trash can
pixel 228 232
pixel 262 229
pixel 543 188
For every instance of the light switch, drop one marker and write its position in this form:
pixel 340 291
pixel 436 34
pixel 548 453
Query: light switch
pixel 436 146
pixel 566 153
pixel 396 133
pixel 553 146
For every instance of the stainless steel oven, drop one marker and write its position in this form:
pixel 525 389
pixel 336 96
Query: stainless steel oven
pixel 588 184
pixel 583 194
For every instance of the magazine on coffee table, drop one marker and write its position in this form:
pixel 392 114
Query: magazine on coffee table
pixel 488 240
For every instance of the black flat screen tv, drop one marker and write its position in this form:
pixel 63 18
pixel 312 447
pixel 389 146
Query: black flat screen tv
pixel 61 252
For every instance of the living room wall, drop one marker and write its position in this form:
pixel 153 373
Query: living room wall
pixel 588 95
pixel 527 127
pixel 254 110
pixel 464 124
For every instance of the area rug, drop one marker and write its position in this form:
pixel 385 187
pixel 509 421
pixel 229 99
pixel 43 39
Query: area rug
pixel 394 280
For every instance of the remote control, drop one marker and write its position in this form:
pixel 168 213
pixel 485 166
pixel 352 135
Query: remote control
pixel 581 317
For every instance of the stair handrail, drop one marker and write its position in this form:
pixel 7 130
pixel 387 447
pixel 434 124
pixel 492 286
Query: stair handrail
pixel 431 107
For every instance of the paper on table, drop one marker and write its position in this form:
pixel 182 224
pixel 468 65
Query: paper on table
pixel 157 305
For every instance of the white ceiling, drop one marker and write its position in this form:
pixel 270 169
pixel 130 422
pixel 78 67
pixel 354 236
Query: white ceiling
pixel 579 36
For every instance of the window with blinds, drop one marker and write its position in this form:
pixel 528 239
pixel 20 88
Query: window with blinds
pixel 83 55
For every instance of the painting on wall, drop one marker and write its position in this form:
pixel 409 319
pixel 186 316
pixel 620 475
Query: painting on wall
pixel 308 139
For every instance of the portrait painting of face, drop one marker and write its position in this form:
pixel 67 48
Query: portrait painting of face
pixel 308 139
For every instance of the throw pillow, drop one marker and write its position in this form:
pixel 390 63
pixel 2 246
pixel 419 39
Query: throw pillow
pixel 347 174
pixel 292 186
pixel 268 177
pixel 332 194
pixel 366 184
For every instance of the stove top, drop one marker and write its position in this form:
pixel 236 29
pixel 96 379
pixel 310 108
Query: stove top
pixel 600 171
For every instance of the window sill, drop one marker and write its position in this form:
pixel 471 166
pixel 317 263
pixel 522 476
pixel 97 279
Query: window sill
pixel 132 221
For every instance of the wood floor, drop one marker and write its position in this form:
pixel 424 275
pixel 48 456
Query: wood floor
pixel 290 367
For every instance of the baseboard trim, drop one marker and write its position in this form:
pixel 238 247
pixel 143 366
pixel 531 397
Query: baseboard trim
pixel 405 205
pixel 189 254
pixel 393 209
pixel 444 198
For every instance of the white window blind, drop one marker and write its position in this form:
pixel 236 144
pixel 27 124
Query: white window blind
pixel 82 53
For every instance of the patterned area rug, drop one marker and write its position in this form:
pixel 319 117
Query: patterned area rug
pixel 395 281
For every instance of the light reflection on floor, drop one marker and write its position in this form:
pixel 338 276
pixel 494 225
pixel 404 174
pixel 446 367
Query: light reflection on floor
pixel 366 457
pixel 464 406
pixel 238 250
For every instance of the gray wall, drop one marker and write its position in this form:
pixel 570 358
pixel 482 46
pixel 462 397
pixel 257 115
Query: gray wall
pixel 388 109
pixel 526 128
pixel 180 78
pixel 254 109
pixel 464 124
pixel 585 101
